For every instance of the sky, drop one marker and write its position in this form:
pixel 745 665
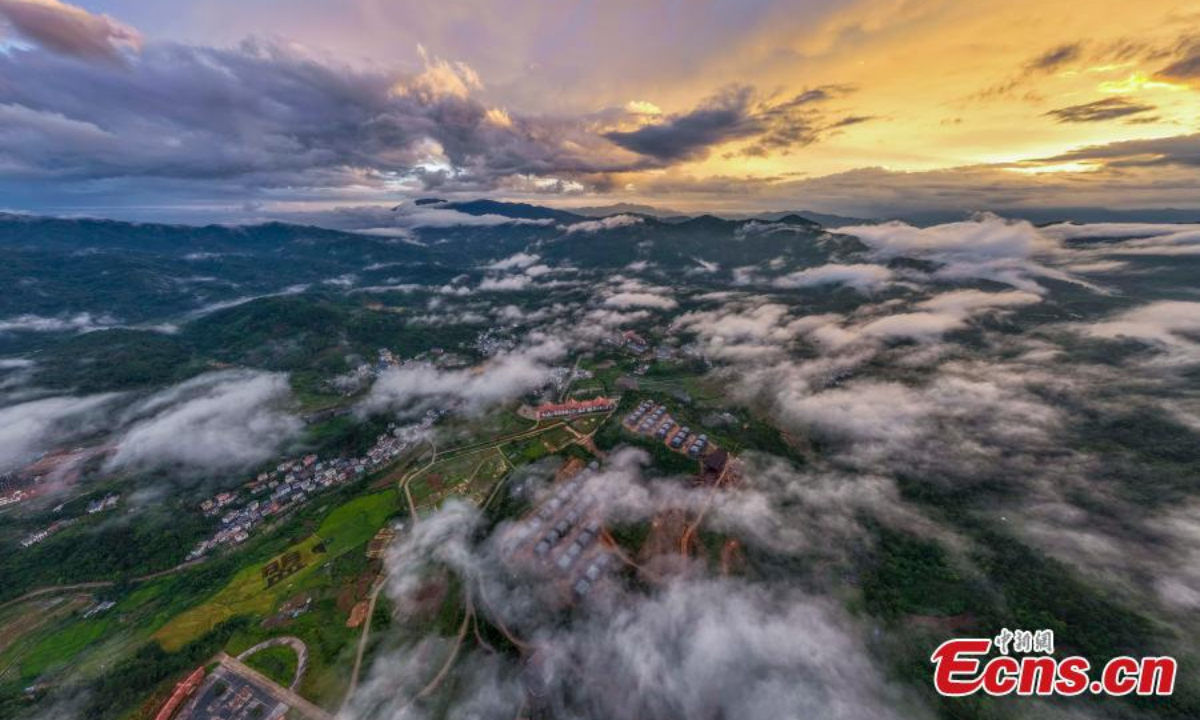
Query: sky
pixel 221 110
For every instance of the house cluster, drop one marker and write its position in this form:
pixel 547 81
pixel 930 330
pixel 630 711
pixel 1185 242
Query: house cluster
pixel 107 502
pixel 572 408
pixel 40 535
pixel 292 482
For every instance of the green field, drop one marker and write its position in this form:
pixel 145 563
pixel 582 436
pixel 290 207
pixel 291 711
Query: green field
pixel 347 527
pixel 278 662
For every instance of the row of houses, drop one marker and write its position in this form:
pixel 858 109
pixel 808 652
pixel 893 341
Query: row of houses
pixel 292 482
pixel 562 535
pixel 652 419
pixel 40 535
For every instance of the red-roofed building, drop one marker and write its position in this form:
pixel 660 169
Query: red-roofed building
pixel 572 408
pixel 182 690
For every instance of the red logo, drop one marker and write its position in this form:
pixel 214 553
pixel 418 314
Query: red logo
pixel 962 667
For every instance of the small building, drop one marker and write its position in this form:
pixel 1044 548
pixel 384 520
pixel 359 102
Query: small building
pixel 713 466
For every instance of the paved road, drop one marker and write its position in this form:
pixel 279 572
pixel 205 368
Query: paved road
pixel 362 640
pixel 277 691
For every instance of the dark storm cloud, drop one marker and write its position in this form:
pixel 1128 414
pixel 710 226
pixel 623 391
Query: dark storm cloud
pixel 1054 58
pixel 1100 110
pixel 719 119
pixel 1045 62
pixel 263 118
pixel 1062 57
pixel 69 30
pixel 818 94
pixel 1178 150
pixel 271 117
pixel 1186 65
pixel 801 121
pixel 852 120
pixel 738 113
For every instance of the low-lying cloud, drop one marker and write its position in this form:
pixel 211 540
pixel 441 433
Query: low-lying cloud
pixel 1173 326
pixel 31 428
pixel 506 377
pixel 218 421
pixel 990 248
pixel 79 322
pixel 687 646
pixel 861 277
pixel 609 223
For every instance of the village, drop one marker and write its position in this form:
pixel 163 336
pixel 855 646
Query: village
pixel 275 492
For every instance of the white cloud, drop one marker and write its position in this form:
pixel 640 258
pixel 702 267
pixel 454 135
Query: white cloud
pixel 861 277
pixel 932 318
pixel 614 318
pixel 970 302
pixel 1171 325
pixel 217 421
pixel 990 248
pixel 80 322
pixel 344 281
pixel 966 412
pixel 515 262
pixel 608 223
pixel 506 283
pixel 440 79
pixel 914 325
pixel 640 299
pixel 504 378
pixel 1092 231
pixel 226 304
pixel 434 217
pixel 34 427
pixel 692 646
pixel 748 331
pixel 1129 238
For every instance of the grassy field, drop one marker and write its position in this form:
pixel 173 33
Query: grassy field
pixel 55 642
pixel 65 643
pixel 343 529
pixel 525 451
pixel 556 439
pixel 33 636
pixel 587 424
pixel 471 475
pixel 278 662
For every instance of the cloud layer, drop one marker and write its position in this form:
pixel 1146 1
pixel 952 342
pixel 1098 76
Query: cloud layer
pixel 218 421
